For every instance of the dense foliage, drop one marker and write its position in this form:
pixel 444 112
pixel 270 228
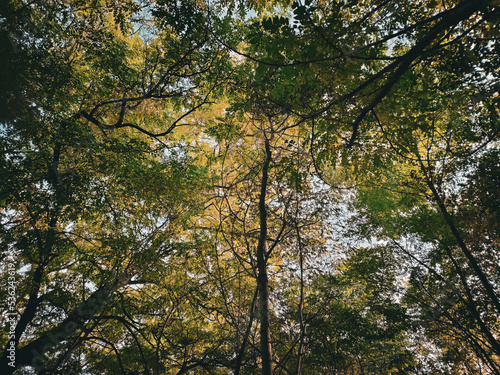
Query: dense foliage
pixel 262 187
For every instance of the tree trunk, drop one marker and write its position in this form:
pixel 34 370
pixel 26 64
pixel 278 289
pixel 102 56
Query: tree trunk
pixel 262 277
pixel 458 237
pixel 33 354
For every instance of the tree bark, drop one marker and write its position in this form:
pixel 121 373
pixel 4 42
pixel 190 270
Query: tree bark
pixel 34 353
pixel 262 277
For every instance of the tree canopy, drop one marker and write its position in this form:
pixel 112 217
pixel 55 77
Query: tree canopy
pixel 261 187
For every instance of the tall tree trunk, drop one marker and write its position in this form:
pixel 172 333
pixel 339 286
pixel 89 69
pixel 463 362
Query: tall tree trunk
pixel 458 237
pixel 262 277
pixel 300 351
pixel 45 243
pixel 33 353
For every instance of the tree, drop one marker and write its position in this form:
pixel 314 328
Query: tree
pixel 356 323
pixel 339 61
pixel 73 214
pixel 264 187
pixel 253 198
pixel 432 160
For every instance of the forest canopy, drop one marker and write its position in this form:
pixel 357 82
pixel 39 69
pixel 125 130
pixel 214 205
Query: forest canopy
pixel 263 187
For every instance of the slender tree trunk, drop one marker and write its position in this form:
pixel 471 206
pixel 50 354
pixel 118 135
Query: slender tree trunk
pixel 45 243
pixel 262 277
pixel 300 351
pixel 241 352
pixel 458 237
pixel 472 304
